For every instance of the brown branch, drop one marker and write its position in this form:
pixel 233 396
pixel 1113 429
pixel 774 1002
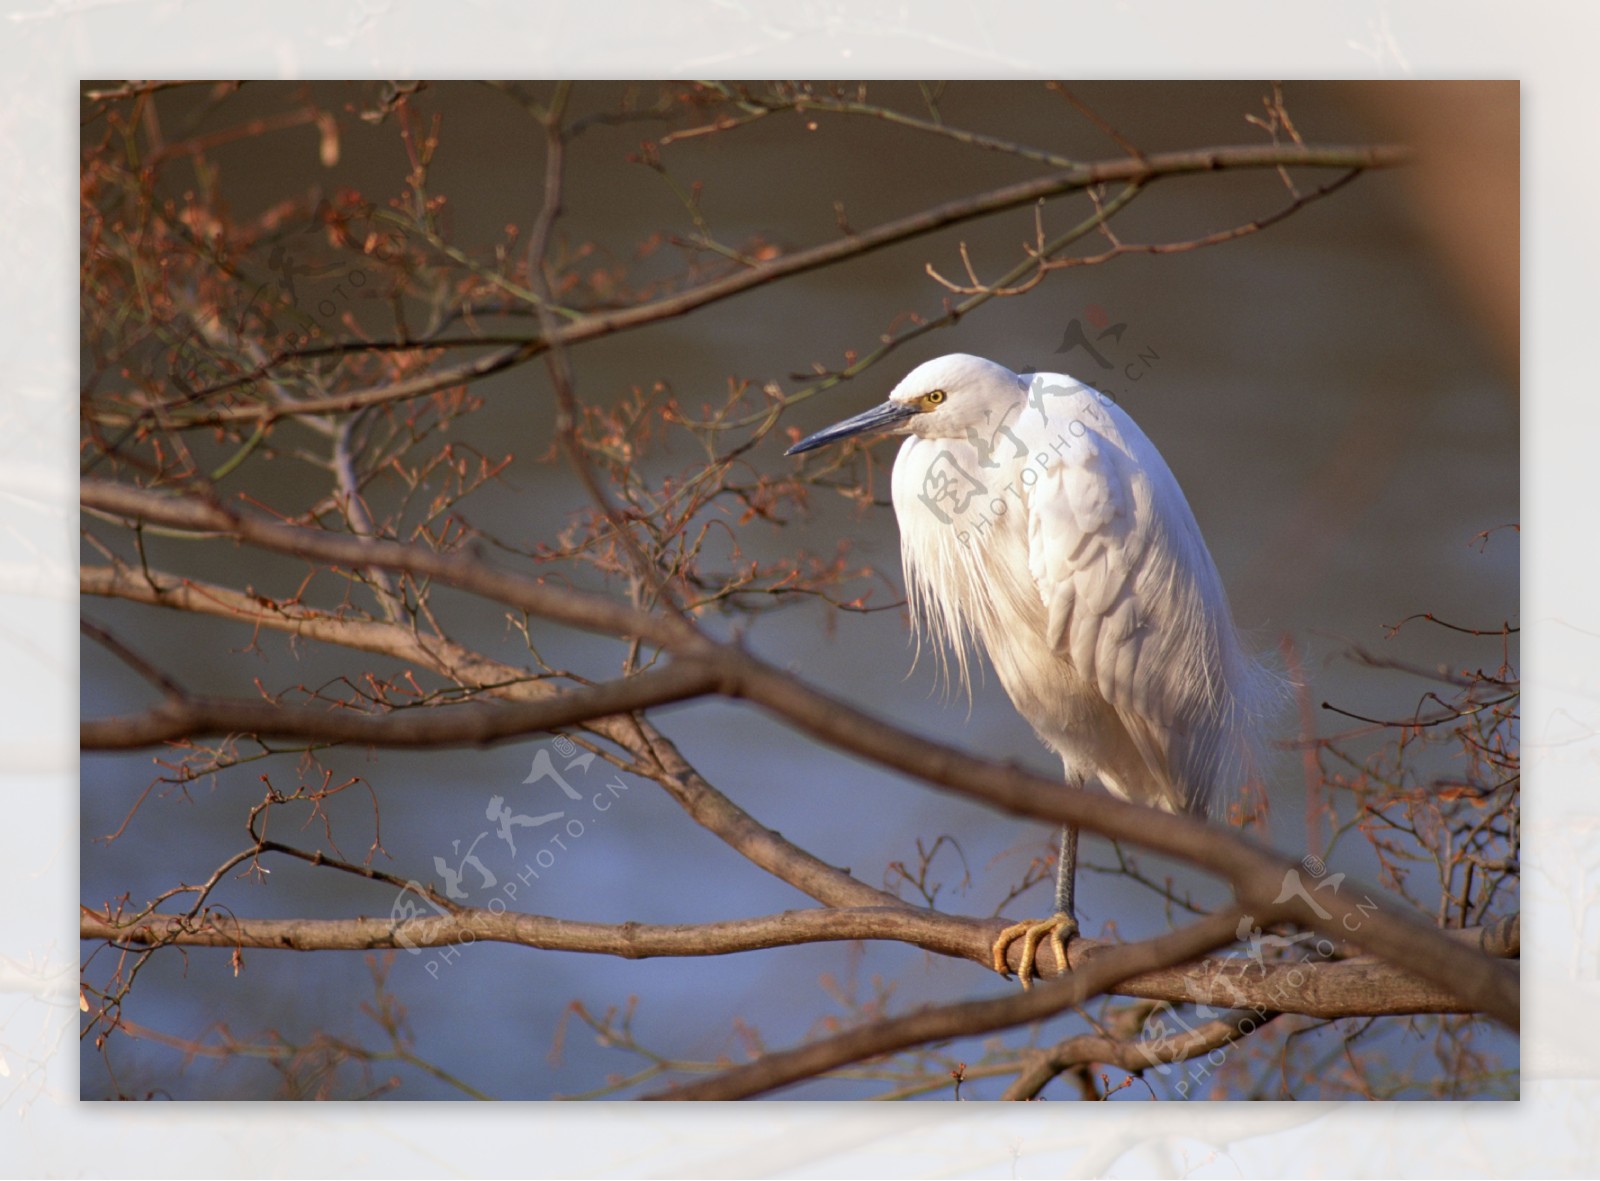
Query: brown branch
pixel 140 88
pixel 589 612
pixel 475 925
pixel 1314 987
pixel 1097 119
pixel 656 754
pixel 1257 874
pixel 751 839
pixel 1133 1055
pixel 808 102
pixel 1044 265
pixel 1132 170
pixel 460 664
pixel 1117 964
pixel 132 659
pixel 396 391
pixel 567 414
pixel 435 727
pixel 555 146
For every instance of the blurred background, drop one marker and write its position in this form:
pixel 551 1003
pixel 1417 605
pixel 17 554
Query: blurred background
pixel 1336 394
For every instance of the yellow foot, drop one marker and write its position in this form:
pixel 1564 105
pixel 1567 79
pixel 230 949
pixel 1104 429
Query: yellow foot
pixel 1059 928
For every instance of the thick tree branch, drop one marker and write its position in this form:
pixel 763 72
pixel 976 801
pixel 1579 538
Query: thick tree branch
pixel 656 755
pixel 1310 986
pixel 1105 972
pixel 753 840
pixel 1130 170
pixel 580 609
pixel 1259 876
pixel 431 726
pixel 1133 1055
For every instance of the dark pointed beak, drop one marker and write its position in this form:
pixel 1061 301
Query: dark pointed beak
pixel 874 421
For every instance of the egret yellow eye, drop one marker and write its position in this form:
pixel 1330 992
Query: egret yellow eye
pixel 933 397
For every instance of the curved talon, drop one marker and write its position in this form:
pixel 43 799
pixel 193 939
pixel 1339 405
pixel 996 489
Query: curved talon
pixel 1059 928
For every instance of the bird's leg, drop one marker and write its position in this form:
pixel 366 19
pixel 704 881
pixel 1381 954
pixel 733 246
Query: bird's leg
pixel 1065 923
pixel 1060 927
pixel 1067 873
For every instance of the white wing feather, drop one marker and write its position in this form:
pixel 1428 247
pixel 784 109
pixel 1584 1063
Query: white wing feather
pixel 1062 543
pixel 1134 603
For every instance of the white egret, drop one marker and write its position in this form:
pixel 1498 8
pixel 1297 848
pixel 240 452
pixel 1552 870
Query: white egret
pixel 1036 518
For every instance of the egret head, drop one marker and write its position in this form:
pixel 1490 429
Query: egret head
pixel 945 398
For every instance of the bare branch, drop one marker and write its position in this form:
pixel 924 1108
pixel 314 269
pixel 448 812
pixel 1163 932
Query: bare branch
pixel 1133 1055
pixel 656 754
pixel 971 1017
pixel 132 659
pixel 1137 171
pixel 1258 875
pixel 579 609
pixel 435 727
pixel 1314 987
